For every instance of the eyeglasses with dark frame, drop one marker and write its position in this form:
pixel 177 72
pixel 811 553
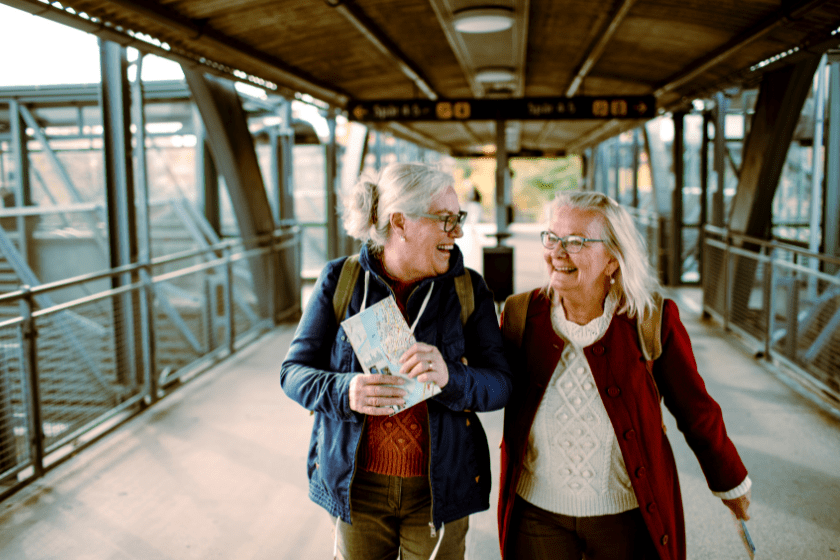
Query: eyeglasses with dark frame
pixel 570 243
pixel 449 220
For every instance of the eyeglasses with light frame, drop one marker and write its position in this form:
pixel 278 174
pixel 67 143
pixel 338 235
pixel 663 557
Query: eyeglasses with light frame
pixel 570 243
pixel 450 221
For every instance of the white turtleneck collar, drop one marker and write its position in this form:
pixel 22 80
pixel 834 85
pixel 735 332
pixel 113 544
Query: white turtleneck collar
pixel 583 335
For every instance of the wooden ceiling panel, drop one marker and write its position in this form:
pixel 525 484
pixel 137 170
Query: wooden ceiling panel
pixel 673 49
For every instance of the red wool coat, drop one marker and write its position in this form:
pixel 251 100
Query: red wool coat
pixel 630 399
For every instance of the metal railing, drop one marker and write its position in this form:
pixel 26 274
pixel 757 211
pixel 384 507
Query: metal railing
pixel 72 371
pixel 784 299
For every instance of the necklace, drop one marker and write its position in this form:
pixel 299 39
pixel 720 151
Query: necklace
pixel 386 271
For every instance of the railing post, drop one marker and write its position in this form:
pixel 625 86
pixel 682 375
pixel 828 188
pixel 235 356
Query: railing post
pixel 147 328
pixel 231 335
pixel 769 303
pixel 273 263
pixel 792 318
pixel 29 355
pixel 727 291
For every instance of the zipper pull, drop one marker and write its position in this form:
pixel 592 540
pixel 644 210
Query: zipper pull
pixel 432 525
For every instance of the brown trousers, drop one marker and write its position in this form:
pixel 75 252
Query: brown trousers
pixel 541 535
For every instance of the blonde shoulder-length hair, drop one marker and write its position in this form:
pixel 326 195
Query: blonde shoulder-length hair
pixel 635 280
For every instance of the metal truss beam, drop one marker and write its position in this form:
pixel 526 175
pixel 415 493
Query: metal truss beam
pixel 235 157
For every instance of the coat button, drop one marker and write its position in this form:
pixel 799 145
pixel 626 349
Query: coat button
pixel 664 540
pixel 640 472
pixel 651 507
pixel 598 350
pixel 630 434
pixel 613 391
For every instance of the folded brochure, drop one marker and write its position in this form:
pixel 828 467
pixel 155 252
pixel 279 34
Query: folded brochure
pixel 380 335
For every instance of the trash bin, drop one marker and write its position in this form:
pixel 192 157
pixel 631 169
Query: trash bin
pixel 498 271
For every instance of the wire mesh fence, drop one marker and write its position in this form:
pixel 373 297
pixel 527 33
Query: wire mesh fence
pixel 72 369
pixel 785 299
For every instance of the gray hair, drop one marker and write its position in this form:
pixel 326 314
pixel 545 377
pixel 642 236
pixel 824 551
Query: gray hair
pixel 409 188
pixel 635 280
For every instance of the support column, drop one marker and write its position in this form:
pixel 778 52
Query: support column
pixel 283 142
pixel 676 245
pixel 831 225
pixel 704 190
pixel 331 156
pixel 23 181
pixel 718 197
pixel 502 197
pixel 120 199
pixel 635 185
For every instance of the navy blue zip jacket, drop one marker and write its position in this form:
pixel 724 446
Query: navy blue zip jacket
pixel 320 364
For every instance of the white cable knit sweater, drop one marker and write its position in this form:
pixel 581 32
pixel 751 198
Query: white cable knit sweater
pixel 573 464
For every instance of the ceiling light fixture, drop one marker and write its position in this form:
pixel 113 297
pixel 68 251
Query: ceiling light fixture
pixel 495 75
pixel 483 19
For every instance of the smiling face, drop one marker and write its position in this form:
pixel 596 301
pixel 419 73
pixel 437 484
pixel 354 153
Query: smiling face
pixel 427 248
pixel 579 277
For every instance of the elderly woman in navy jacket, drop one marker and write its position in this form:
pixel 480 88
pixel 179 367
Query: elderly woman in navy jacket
pixel 404 483
pixel 586 466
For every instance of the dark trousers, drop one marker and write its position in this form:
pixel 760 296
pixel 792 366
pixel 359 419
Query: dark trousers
pixel 541 535
pixel 391 517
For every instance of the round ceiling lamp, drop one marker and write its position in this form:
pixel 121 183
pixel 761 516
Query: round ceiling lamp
pixel 483 19
pixel 495 75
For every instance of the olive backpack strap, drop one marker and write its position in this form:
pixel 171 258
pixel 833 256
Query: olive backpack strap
pixel 516 312
pixel 650 331
pixel 344 288
pixel 350 274
pixel 464 289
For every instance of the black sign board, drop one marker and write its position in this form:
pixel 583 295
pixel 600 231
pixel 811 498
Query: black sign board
pixel 528 108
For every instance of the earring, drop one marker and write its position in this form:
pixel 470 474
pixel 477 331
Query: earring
pixel 402 238
pixel 612 281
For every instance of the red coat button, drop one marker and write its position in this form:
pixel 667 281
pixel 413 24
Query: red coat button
pixel 640 472
pixel 664 540
pixel 613 391
pixel 651 507
pixel 598 350
pixel 629 434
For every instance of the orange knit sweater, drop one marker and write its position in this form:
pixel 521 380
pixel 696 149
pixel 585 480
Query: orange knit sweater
pixel 397 445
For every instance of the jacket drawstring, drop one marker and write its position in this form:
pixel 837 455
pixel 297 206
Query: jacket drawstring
pixel 440 540
pixel 335 543
pixel 422 307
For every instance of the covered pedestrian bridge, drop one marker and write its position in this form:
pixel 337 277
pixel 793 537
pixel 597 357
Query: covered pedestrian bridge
pixel 158 239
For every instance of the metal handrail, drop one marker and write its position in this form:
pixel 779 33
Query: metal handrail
pixel 56 426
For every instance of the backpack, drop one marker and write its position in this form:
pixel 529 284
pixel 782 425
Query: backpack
pixel 649 329
pixel 350 274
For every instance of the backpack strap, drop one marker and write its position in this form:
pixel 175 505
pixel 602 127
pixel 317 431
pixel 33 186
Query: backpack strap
pixel 464 289
pixel 650 337
pixel 350 274
pixel 650 331
pixel 344 289
pixel 516 312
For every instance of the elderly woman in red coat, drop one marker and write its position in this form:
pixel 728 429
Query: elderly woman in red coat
pixel 586 467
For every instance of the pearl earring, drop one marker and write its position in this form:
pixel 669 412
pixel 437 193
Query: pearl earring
pixel 402 238
pixel 612 280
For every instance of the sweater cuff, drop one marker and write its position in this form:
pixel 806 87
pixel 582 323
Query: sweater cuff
pixel 736 492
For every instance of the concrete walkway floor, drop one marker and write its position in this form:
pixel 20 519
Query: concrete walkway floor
pixel 217 471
